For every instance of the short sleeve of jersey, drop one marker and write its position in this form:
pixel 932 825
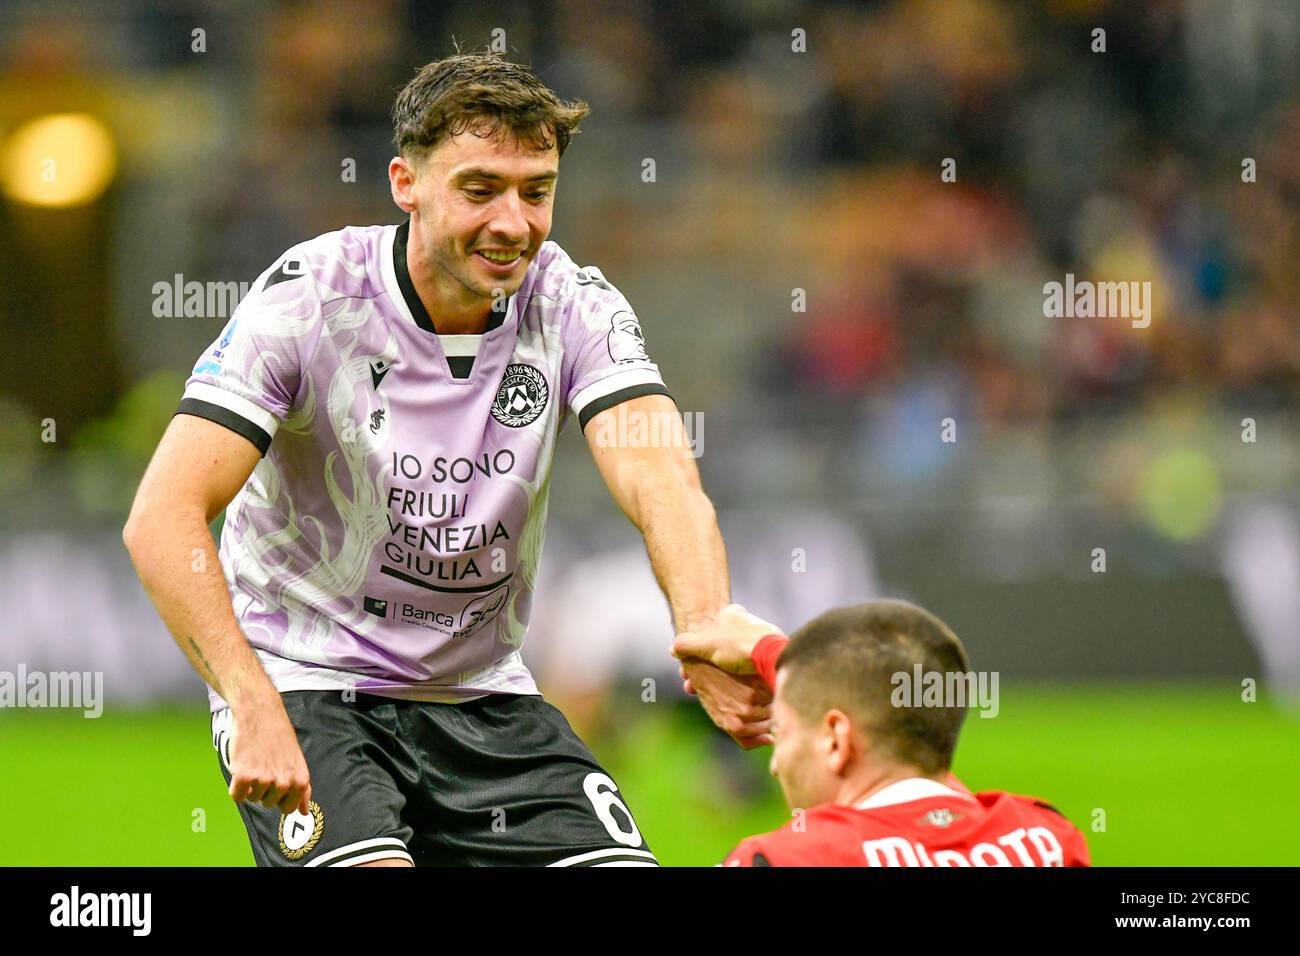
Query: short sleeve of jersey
pixel 606 362
pixel 248 380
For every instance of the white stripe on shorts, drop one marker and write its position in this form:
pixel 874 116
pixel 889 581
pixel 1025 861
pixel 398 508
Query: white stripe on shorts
pixel 597 854
pixel 392 847
pixel 626 863
pixel 377 855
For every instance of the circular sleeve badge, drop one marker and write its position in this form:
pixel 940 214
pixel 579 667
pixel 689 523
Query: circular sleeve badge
pixel 625 341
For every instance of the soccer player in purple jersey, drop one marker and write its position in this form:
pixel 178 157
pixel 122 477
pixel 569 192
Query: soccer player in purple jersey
pixel 379 419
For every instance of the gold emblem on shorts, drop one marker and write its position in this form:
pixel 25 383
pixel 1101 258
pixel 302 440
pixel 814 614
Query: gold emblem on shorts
pixel 300 832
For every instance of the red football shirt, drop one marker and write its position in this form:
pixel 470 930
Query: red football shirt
pixel 915 822
pixel 921 822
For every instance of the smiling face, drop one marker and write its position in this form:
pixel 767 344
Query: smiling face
pixel 480 210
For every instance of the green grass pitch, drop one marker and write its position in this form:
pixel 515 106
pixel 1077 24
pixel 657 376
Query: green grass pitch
pixel 1184 775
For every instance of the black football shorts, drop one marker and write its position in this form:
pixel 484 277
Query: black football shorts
pixel 499 781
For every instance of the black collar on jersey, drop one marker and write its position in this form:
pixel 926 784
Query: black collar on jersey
pixel 407 287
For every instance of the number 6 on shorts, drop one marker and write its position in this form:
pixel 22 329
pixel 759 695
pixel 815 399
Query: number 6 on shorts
pixel 603 794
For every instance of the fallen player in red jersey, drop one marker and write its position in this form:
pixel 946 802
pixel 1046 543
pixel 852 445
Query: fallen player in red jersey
pixel 868 778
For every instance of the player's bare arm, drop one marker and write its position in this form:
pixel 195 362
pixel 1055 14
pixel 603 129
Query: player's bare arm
pixel 196 470
pixel 657 486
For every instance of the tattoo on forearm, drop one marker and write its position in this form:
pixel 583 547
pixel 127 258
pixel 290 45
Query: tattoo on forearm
pixel 207 668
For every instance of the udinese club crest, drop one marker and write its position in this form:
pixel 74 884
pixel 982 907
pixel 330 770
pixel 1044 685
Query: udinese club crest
pixel 300 832
pixel 521 398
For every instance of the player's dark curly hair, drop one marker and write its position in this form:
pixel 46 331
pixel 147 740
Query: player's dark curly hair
pixel 484 92
pixel 846 659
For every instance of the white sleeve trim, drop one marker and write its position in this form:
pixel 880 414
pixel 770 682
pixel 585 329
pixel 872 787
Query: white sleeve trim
pixel 241 406
pixel 611 384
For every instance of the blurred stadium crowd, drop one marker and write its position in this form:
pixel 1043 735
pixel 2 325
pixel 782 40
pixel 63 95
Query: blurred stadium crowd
pixel 780 178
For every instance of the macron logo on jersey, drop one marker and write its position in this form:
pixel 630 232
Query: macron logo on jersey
pixel 289 269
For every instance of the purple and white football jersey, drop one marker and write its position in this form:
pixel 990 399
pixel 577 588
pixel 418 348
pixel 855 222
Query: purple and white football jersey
pixel 389 538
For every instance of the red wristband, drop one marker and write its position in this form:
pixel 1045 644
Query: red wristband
pixel 765 654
